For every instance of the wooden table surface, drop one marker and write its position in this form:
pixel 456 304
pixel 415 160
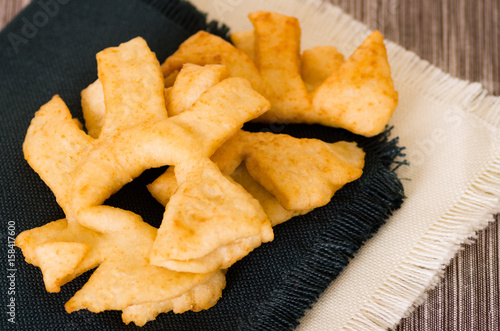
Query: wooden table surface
pixel 463 38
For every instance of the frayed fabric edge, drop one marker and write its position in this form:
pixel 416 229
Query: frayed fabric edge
pixel 379 196
pixel 424 266
pixel 421 270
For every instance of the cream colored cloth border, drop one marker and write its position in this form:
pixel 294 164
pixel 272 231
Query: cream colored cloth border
pixel 451 130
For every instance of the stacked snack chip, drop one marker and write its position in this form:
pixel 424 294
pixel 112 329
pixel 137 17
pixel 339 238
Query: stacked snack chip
pixel 225 187
pixel 317 86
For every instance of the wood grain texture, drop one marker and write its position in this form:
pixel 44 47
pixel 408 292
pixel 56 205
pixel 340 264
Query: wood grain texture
pixel 9 9
pixel 461 37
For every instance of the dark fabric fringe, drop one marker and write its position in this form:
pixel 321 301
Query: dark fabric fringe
pixel 379 196
pixel 378 193
pixel 188 17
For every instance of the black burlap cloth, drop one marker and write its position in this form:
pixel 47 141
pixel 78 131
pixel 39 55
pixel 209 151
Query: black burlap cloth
pixel 50 49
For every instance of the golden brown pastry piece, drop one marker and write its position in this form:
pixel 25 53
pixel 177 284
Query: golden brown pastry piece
pixel 135 133
pixel 315 87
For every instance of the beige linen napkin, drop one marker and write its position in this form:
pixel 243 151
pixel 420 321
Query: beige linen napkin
pixel 451 129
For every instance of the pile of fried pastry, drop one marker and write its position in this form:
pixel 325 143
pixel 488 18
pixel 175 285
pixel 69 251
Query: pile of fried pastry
pixel 224 189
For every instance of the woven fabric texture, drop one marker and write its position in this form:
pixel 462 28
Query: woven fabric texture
pixel 268 290
pixel 463 38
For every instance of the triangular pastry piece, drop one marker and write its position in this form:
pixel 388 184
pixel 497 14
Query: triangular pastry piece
pixel 360 95
pixel 58 261
pixel 208 223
